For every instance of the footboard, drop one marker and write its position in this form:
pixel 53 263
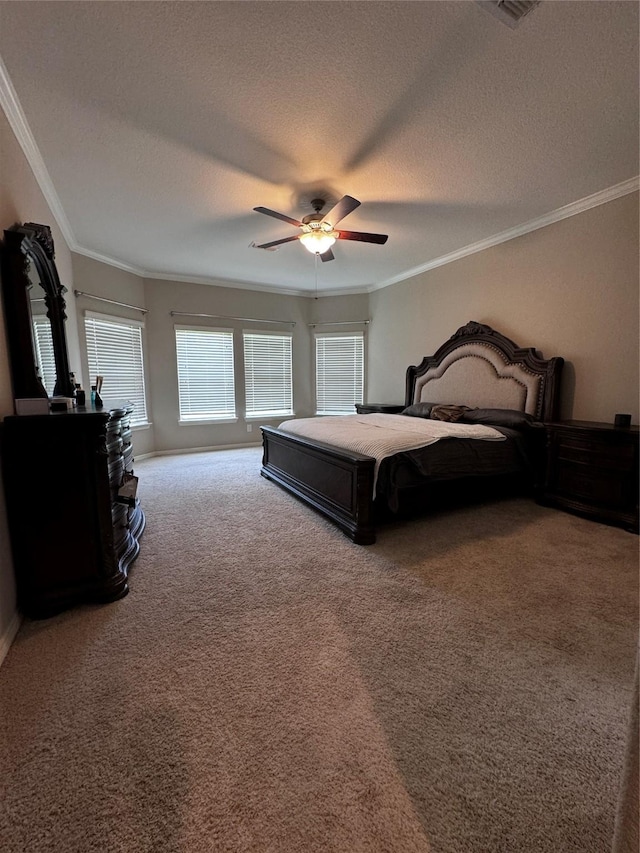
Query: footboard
pixel 338 483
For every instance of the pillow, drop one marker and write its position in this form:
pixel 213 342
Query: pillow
pixel 448 413
pixel 499 417
pixel 418 410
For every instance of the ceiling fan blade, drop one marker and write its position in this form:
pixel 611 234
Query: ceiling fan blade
pixel 341 209
pixel 363 237
pixel 274 213
pixel 327 256
pixel 276 242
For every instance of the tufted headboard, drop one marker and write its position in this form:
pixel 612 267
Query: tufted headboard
pixel 478 366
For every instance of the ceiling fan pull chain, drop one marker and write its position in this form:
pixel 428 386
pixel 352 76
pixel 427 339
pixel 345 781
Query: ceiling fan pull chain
pixel 316 268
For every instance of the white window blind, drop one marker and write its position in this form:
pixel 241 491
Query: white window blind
pixel 267 374
pixel 206 389
pixel 339 373
pixel 114 351
pixel 43 341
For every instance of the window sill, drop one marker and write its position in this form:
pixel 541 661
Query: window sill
pixel 208 421
pixel 145 425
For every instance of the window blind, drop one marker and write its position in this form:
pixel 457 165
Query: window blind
pixel 267 374
pixel 339 373
pixel 43 340
pixel 205 374
pixel 114 351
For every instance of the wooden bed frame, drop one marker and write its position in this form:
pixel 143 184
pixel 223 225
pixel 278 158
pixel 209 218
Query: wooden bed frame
pixel 477 366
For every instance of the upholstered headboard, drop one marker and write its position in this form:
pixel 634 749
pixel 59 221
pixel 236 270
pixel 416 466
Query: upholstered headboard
pixel 478 366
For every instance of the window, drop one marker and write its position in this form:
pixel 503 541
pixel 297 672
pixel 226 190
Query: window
pixel 205 374
pixel 114 351
pixel 45 357
pixel 339 373
pixel 267 374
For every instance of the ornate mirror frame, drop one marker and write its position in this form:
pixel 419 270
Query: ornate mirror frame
pixel 26 245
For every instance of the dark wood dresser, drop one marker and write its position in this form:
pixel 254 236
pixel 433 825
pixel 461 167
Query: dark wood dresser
pixel 73 535
pixel 592 469
pixel 383 408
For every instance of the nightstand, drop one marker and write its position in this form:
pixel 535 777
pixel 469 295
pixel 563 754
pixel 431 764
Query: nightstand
pixel 592 469
pixel 382 408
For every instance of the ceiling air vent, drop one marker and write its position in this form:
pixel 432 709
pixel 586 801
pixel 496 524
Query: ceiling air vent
pixel 510 12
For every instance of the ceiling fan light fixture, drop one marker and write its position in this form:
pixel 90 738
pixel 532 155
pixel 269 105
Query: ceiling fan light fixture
pixel 317 240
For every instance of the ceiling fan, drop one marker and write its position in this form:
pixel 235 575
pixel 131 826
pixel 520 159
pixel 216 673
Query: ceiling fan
pixel 319 231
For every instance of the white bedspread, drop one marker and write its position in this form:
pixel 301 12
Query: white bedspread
pixel 380 435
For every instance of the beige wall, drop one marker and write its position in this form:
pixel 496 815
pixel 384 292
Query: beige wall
pixel 340 309
pixel 570 289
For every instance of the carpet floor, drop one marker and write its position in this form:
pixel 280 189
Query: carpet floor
pixel 461 686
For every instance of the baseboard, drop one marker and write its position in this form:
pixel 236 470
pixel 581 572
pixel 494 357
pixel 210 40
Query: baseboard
pixel 9 634
pixel 197 450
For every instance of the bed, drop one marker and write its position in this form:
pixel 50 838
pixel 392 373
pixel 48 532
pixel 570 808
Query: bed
pixel 477 373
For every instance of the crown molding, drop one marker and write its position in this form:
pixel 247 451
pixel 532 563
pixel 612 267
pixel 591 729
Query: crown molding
pixel 227 282
pixel 112 262
pixel 234 284
pixel 580 206
pixel 344 291
pixel 18 123
pixel 186 279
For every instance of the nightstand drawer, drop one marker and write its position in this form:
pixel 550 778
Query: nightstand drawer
pixel 585 482
pixel 596 453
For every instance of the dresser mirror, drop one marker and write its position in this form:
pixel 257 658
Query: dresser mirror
pixel 35 316
pixel 43 349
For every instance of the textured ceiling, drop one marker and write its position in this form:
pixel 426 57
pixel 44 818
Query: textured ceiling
pixel 161 125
